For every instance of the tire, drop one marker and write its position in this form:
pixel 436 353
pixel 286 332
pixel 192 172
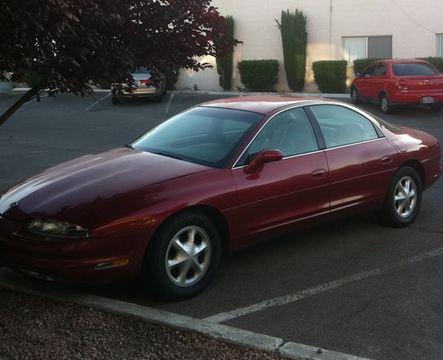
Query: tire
pixel 391 214
pixel 182 281
pixel 355 96
pixel 385 105
pixel 436 108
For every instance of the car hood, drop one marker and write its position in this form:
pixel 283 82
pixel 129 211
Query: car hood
pixel 93 185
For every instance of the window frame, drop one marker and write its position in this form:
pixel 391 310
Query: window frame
pixel 317 130
pixel 378 131
pixel 366 37
pixel 310 123
pixel 439 44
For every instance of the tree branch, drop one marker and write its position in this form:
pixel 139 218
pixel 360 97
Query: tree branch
pixel 25 98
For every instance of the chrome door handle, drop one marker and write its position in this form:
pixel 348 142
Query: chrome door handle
pixel 319 173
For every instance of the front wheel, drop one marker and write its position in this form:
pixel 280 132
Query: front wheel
pixel 403 200
pixel 355 96
pixel 183 257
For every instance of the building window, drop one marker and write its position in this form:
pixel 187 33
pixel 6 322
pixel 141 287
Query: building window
pixel 372 47
pixel 439 44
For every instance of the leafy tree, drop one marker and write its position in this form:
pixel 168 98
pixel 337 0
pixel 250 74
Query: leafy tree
pixel 70 44
pixel 294 39
pixel 225 55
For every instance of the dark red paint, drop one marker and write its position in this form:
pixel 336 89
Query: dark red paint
pixel 122 196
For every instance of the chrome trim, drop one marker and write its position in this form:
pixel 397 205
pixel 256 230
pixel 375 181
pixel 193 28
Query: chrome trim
pixel 314 103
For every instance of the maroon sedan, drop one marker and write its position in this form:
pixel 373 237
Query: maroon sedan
pixel 399 82
pixel 212 180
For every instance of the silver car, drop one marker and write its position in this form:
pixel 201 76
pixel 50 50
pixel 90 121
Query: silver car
pixel 143 86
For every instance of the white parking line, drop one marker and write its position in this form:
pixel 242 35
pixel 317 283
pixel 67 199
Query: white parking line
pixel 304 294
pixel 98 101
pixel 168 106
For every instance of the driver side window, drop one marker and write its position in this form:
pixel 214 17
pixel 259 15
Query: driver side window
pixel 290 132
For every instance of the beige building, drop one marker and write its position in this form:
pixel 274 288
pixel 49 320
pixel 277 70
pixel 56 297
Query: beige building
pixel 337 29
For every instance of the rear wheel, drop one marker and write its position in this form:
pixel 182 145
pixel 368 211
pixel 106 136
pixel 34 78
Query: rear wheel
pixel 436 108
pixel 355 96
pixel 183 257
pixel 403 200
pixel 385 104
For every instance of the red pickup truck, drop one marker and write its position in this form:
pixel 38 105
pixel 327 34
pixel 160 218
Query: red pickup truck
pixel 397 82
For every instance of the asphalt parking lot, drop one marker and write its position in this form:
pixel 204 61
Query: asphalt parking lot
pixel 351 286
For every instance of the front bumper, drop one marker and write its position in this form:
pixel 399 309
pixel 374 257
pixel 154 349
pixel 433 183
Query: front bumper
pixel 81 262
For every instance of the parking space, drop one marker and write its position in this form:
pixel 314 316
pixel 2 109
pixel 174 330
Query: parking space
pixel 352 286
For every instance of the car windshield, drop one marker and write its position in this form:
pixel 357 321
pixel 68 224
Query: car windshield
pixel 203 135
pixel 141 70
pixel 414 69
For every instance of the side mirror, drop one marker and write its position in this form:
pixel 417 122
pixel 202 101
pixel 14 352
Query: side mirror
pixel 263 157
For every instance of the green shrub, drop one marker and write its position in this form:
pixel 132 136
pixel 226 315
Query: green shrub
pixel 259 75
pixel 436 61
pixel 294 39
pixel 330 76
pixel 361 64
pixel 32 78
pixel 225 60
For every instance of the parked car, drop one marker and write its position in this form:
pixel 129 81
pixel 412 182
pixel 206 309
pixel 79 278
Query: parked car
pixel 398 82
pixel 143 86
pixel 211 180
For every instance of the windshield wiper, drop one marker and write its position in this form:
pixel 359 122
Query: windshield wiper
pixel 167 155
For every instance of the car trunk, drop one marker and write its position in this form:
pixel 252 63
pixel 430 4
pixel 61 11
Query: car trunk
pixel 423 83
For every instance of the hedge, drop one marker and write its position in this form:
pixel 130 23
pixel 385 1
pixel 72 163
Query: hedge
pixel 330 76
pixel 225 61
pixel 361 64
pixel 436 61
pixel 294 40
pixel 259 75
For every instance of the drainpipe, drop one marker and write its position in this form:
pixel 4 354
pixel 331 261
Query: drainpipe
pixel 330 29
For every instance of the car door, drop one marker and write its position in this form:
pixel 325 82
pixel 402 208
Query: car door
pixel 374 83
pixel 363 82
pixel 361 160
pixel 285 191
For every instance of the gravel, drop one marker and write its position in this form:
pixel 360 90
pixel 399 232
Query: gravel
pixel 33 327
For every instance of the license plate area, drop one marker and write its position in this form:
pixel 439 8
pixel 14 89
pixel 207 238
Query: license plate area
pixel 428 100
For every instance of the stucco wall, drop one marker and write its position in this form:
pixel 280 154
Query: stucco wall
pixel 412 24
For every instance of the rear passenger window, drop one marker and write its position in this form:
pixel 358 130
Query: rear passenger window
pixel 342 126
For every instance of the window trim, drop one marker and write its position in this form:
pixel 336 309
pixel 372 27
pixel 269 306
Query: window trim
pixel 378 132
pixel 366 37
pixel 306 107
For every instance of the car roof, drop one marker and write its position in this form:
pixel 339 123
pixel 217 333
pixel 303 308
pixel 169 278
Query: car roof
pixel 261 104
pixel 402 61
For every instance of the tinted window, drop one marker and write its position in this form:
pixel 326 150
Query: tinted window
pixel 414 70
pixel 204 135
pixel 380 70
pixel 290 132
pixel 370 70
pixel 342 126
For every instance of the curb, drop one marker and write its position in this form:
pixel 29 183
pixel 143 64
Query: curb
pixel 239 93
pixel 227 93
pixel 225 333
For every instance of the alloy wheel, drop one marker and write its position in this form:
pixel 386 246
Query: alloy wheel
pixel 405 197
pixel 188 256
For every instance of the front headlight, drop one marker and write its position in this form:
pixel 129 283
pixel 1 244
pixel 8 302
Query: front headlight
pixel 56 228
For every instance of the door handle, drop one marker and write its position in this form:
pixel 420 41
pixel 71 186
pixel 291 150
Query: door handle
pixel 319 173
pixel 386 160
